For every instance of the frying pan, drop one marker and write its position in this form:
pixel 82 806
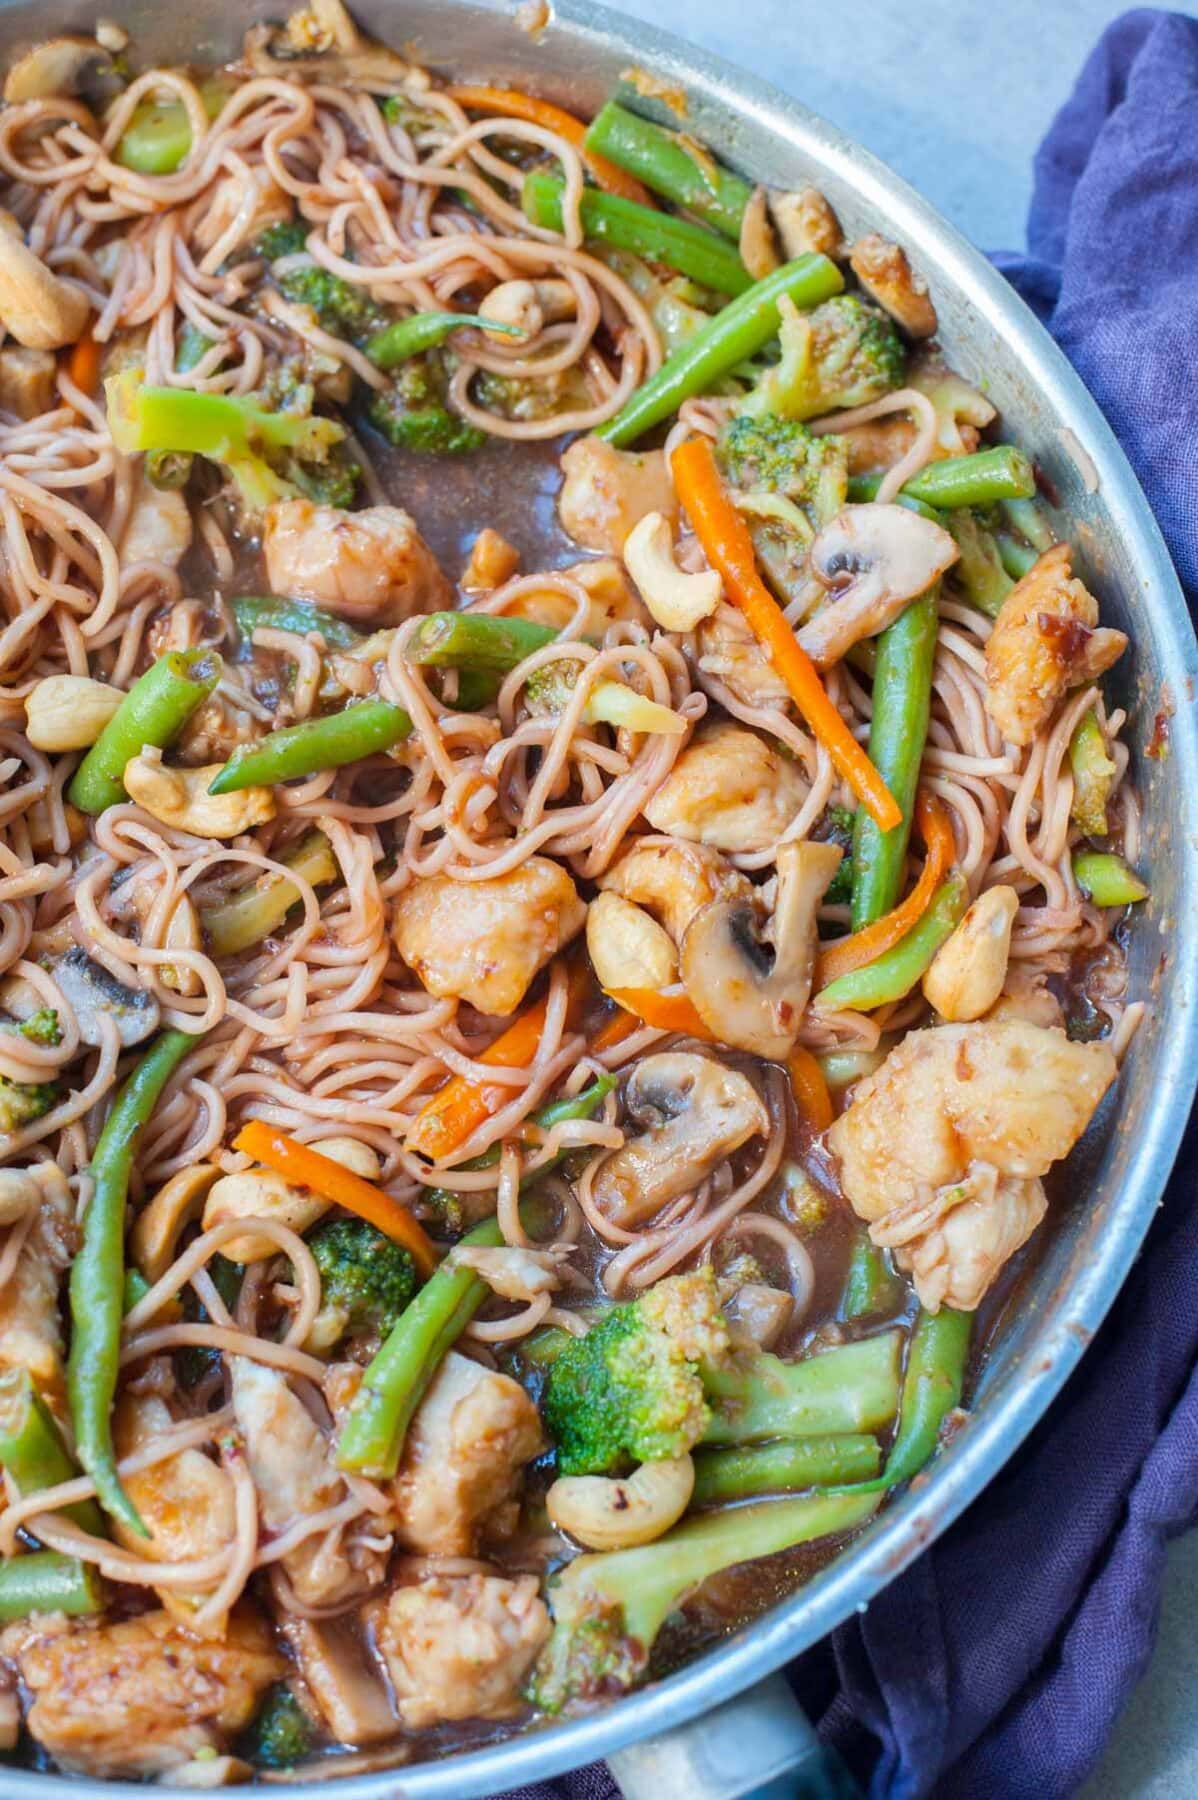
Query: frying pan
pixel 725 1725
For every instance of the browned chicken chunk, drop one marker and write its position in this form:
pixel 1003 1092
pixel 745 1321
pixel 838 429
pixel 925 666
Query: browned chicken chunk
pixel 371 565
pixel 885 273
pixel 607 491
pixel 1046 639
pixel 460 1648
pixel 30 1325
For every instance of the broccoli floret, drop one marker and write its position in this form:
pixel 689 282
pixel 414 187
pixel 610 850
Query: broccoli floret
pixel 836 827
pixel 763 453
pixel 41 1027
pixel 21 1102
pixel 367 1279
pixel 191 346
pixel 330 483
pixel 281 1735
pixel 397 109
pixel 288 237
pixel 630 1390
pixel 342 308
pixel 412 413
pixel 845 353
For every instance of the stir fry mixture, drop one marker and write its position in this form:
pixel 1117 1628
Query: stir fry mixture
pixel 563 856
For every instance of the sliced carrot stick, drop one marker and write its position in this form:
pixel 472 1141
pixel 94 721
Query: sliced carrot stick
pixel 874 940
pixel 308 1168
pixel 510 103
pixel 666 1012
pixel 810 1089
pixel 83 364
pixel 613 1031
pixel 729 548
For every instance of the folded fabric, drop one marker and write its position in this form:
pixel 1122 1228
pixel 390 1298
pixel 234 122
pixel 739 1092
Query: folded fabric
pixel 997 1664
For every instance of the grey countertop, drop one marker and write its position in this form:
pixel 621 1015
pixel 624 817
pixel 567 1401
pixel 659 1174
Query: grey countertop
pixel 956 95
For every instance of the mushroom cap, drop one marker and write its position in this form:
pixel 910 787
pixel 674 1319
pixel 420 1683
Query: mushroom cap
pixel 875 558
pixel 61 65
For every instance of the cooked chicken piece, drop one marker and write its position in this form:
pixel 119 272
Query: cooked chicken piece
pixel 806 224
pixel 371 565
pixel 608 589
pixel 948 1105
pixel 726 648
pixel 26 381
pixel 186 1502
pixel 459 1648
pixel 877 445
pixel 886 275
pixel 606 491
pixel 135 1699
pixel 955 1243
pixel 730 789
pixel 673 881
pixel 491 562
pixel 158 528
pixel 513 1273
pixel 1046 639
pixel 30 1323
pixel 289 1460
pixel 1027 996
pixel 483 941
pixel 462 1461
pixel 240 206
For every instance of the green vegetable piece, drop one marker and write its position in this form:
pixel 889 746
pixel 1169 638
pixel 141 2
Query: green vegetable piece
pixel 342 307
pixel 413 415
pixel 157 138
pixel 47 1582
pixel 729 339
pixel 482 643
pixel 24 1102
pixel 1093 776
pixel 979 570
pixel 366 1278
pixel 362 729
pixel 1107 879
pixel 902 701
pixel 255 913
pixel 1024 516
pixel 151 715
pixel 191 346
pixel 786 1467
pixel 168 470
pixel 626 225
pixel 668 166
pixel 32 1452
pixel 844 353
pixel 894 973
pixel 1016 556
pixel 978 479
pixel 851 1388
pixel 253 610
pixel 281 1736
pixel 372 1436
pixel 870 1288
pixel 424 331
pixel 932 1387
pixel 608 1608
pixel 98 1275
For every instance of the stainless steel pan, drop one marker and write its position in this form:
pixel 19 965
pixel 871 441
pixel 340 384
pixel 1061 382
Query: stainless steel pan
pixel 721 1727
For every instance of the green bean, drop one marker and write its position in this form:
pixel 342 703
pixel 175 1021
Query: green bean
pixel 47 1582
pixel 1000 473
pixel 1024 516
pixel 258 910
pixel 152 714
pixel 894 973
pixel 932 1385
pixel 1093 776
pixel 869 1286
pixel 734 334
pixel 1016 556
pixel 254 610
pixel 372 1437
pixel 580 1107
pixel 625 225
pixel 98 1275
pixel 666 165
pixel 32 1452
pixel 902 701
pixel 1107 879
pixel 785 1467
pixel 424 331
pixel 362 729
pixel 483 643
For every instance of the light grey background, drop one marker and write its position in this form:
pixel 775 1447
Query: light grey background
pixel 956 95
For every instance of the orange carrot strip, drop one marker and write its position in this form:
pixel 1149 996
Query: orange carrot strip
pixel 613 1031
pixel 725 539
pixel 665 1012
pixel 308 1168
pixel 83 364
pixel 810 1089
pixel 512 104
pixel 874 940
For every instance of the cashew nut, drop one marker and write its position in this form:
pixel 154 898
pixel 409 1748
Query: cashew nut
pixel 614 1515
pixel 261 1194
pixel 19 1194
pixel 627 947
pixel 966 976
pixel 676 601
pixel 180 798
pixel 154 1239
pixel 40 310
pixel 529 305
pixel 68 712
pixel 673 880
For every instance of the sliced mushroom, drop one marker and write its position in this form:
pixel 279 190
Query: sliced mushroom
pixel 609 1514
pixel 750 995
pixel 323 36
pixel 94 993
pixel 63 65
pixel 41 311
pixel 875 558
pixel 697 1112
pixel 342 1680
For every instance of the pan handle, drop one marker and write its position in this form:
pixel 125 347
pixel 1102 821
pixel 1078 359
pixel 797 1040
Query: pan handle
pixel 756 1746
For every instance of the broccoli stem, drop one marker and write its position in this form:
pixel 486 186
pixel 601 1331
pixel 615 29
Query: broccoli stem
pixel 661 159
pixel 626 225
pixel 852 1388
pixel 1107 879
pixel 32 1451
pixel 979 479
pixel 869 1286
pixel 372 1437
pixel 979 570
pixel 784 1467
pixel 1015 556
pixel 257 911
pixel 1024 516
pixel 48 1582
pixel 254 610
pixel 1093 776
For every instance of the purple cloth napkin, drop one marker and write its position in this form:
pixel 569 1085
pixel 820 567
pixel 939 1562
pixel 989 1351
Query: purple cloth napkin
pixel 998 1663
